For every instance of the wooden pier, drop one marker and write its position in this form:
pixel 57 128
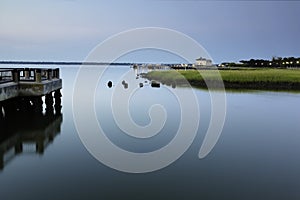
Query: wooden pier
pixel 22 89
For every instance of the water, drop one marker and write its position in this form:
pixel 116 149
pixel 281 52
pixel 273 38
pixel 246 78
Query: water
pixel 256 156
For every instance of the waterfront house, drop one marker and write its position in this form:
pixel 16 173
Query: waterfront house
pixel 203 62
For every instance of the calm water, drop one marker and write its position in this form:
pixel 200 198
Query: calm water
pixel 256 156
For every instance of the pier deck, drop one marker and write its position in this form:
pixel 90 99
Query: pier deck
pixel 22 89
pixel 28 82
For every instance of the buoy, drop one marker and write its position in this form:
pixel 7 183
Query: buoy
pixel 155 84
pixel 109 84
pixel 173 85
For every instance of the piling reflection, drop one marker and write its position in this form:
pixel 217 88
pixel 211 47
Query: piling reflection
pixel 25 133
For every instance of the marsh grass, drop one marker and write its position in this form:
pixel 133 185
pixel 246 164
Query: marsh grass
pixel 241 78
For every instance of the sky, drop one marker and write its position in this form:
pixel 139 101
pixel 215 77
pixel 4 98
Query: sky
pixel 67 30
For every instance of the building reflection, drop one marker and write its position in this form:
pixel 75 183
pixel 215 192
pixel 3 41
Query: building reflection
pixel 27 133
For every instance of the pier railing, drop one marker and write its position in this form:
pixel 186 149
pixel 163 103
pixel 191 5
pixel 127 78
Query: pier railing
pixel 5 76
pixel 28 75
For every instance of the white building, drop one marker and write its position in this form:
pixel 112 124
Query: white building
pixel 203 62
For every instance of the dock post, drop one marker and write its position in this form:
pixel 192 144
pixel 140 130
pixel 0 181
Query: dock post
pixel 26 73
pixel 56 73
pixel 49 74
pixel 15 75
pixel 38 75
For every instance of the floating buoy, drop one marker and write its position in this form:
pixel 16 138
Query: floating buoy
pixel 109 84
pixel 173 85
pixel 125 84
pixel 155 84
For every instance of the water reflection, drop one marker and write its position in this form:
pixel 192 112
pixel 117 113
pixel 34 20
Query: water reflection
pixel 255 158
pixel 27 134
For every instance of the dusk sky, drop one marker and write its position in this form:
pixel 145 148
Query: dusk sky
pixel 67 30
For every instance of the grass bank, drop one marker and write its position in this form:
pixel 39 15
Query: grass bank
pixel 269 79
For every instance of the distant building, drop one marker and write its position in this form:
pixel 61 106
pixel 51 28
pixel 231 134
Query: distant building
pixel 203 62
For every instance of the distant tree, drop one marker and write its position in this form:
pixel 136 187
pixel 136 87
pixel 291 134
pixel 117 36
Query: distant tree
pixel 252 63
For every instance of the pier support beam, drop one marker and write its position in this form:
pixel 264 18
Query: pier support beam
pixel 57 97
pixel 49 103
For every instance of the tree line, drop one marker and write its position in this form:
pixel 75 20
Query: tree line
pixel 276 62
